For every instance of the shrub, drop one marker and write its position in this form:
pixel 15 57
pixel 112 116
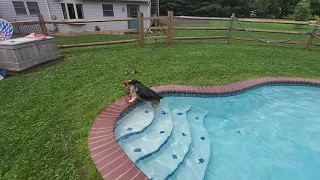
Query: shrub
pixel 302 12
pixel 96 28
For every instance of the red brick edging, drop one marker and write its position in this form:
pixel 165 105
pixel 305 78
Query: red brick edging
pixel 112 162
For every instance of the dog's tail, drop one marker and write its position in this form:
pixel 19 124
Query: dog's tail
pixel 158 96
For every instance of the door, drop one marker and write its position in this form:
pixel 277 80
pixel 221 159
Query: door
pixel 133 11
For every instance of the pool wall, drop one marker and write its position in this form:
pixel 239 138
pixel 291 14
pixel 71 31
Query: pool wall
pixel 112 162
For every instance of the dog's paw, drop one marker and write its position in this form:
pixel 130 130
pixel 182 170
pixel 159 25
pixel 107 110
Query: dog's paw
pixel 131 100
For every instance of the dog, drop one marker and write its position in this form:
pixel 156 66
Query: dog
pixel 140 91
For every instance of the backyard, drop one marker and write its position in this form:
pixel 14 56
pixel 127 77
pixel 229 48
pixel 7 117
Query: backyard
pixel 46 115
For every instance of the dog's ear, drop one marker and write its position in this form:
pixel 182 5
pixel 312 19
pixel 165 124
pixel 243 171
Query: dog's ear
pixel 126 84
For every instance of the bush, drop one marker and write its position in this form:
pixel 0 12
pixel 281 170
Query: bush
pixel 302 12
pixel 97 28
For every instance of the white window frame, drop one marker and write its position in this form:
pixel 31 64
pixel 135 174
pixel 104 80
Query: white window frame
pixel 25 7
pixel 24 4
pixel 74 7
pixel 107 10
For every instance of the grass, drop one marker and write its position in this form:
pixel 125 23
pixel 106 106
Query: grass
pixel 184 33
pixel 46 115
pixel 248 25
pixel 93 38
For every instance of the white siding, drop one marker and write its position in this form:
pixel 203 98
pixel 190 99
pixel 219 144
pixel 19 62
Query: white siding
pixel 92 9
pixel 8 13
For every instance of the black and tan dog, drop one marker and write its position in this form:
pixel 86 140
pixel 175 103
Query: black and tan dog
pixel 140 91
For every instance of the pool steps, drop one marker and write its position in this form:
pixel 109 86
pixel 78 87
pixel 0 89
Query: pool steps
pixel 143 145
pixel 135 122
pixel 175 145
pixel 195 163
pixel 167 160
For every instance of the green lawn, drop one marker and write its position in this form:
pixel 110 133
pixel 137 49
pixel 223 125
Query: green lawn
pixel 46 115
pixel 184 33
pixel 248 25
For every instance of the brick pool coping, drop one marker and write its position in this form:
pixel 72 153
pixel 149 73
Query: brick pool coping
pixel 113 163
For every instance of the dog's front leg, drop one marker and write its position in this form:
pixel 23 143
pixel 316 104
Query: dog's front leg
pixel 133 98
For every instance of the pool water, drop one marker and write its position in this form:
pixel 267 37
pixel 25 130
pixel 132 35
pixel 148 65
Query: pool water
pixel 268 133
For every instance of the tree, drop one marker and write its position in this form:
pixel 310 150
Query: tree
pixel 242 8
pixel 302 12
pixel 315 7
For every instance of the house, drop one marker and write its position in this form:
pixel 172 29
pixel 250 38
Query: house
pixel 26 10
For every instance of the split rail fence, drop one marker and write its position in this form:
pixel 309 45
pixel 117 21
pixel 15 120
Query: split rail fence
pixel 143 33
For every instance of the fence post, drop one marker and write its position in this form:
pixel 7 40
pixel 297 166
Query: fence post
pixel 314 31
pixel 141 29
pixel 230 27
pixel 170 25
pixel 42 25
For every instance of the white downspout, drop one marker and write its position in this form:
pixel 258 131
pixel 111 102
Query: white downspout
pixel 49 12
pixel 149 12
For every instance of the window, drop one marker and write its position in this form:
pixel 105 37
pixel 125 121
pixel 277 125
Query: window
pixel 64 11
pixel 133 11
pixel 72 11
pixel 79 11
pixel 107 10
pixel 19 7
pixel 33 8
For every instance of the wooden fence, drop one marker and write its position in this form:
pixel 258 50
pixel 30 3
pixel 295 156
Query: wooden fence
pixel 142 32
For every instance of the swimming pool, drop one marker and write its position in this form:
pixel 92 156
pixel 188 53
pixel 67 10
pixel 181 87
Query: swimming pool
pixel 271 132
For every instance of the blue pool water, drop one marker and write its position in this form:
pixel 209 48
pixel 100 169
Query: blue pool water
pixel 268 133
